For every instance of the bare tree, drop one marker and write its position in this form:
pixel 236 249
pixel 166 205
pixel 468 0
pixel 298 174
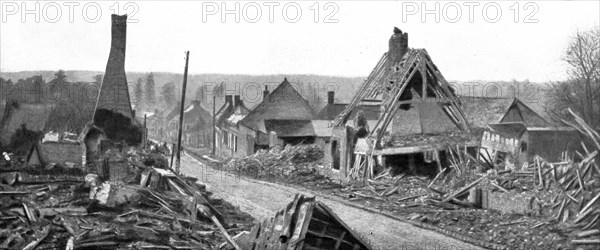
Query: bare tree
pixel 581 92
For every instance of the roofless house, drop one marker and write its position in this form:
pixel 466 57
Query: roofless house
pixel 421 116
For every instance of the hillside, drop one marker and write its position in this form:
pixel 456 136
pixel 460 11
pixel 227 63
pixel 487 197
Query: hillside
pixel 250 87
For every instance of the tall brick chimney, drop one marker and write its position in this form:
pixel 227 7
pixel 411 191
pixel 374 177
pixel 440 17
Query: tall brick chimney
pixel 114 92
pixel 398 45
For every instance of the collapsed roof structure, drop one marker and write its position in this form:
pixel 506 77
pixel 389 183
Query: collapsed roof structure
pixel 420 111
pixel 303 224
pixel 406 77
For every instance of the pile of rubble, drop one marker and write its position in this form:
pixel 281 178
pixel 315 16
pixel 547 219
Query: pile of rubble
pixel 126 201
pixel 298 161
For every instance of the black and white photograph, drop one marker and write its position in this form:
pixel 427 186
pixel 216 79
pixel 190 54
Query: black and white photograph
pixel 300 125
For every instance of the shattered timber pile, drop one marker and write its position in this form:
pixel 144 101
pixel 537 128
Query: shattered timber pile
pixel 292 161
pixel 147 207
pixel 553 205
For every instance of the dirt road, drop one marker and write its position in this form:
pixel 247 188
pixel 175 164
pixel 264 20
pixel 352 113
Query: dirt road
pixel 262 199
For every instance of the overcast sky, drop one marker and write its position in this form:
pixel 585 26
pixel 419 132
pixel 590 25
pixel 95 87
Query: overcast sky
pixel 347 40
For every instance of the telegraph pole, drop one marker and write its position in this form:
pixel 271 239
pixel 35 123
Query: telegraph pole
pixel 214 128
pixel 185 73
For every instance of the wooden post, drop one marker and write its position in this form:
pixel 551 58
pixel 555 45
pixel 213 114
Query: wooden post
pixel 172 155
pixel 145 135
pixel 187 59
pixel 423 69
pixel 437 160
pixel 214 128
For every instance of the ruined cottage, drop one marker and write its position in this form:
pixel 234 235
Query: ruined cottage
pixel 421 117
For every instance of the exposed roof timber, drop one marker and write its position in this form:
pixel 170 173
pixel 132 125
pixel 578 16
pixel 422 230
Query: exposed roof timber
pixel 392 104
pixel 446 87
pixel 397 77
pixel 361 93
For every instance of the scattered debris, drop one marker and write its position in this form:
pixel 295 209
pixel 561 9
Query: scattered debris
pixel 151 207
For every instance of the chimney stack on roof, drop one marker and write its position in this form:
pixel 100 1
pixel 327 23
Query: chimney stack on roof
pixel 229 99
pixel 236 100
pixel 330 97
pixel 398 45
pixel 266 92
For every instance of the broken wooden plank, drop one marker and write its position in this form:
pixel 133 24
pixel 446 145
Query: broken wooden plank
pixel 588 233
pixel 561 209
pixel 32 245
pixel 409 198
pixel 437 177
pixel 589 204
pixel 580 180
pixel 586 242
pixel 464 189
pixel 367 196
pixel 498 187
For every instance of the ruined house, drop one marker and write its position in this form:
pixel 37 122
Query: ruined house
pixel 113 111
pixel 260 126
pixel 421 117
pixel 230 141
pixel 369 108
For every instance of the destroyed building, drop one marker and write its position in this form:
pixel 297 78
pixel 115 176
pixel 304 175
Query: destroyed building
pixel 421 116
pixel 303 224
pixel 113 111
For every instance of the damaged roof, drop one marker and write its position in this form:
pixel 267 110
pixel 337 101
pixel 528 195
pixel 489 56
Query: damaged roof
pixel 304 223
pixel 481 111
pixel 511 129
pixel 332 110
